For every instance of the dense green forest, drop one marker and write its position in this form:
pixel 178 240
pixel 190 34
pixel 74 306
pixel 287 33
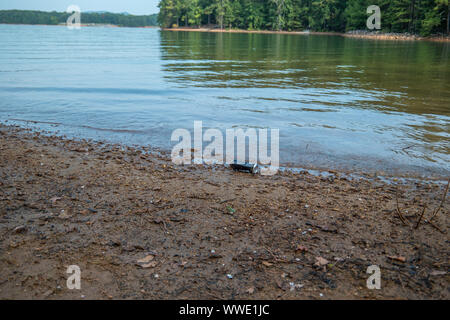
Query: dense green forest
pixel 423 17
pixel 53 18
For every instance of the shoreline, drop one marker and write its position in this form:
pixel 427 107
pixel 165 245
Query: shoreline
pixel 90 25
pixel 386 172
pixel 209 232
pixel 350 34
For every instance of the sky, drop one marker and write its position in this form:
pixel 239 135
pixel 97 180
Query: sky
pixel 130 6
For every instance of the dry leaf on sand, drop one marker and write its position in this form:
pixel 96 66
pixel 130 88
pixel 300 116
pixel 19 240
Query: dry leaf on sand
pixel 321 261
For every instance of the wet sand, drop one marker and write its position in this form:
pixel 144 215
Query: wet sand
pixel 206 232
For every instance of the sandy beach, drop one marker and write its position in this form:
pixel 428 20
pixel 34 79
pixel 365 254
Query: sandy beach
pixel 139 226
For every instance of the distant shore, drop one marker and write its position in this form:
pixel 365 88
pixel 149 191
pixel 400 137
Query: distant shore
pixel 82 25
pixel 350 34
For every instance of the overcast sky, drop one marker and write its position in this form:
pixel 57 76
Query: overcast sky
pixel 131 6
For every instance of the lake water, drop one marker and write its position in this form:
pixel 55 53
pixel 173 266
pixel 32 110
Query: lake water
pixel 339 103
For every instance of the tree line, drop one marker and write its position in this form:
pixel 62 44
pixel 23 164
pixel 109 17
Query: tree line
pixel 55 18
pixel 423 17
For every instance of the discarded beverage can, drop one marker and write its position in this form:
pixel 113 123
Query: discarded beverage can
pixel 245 167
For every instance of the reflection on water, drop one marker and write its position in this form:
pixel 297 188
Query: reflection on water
pixel 351 103
pixel 349 98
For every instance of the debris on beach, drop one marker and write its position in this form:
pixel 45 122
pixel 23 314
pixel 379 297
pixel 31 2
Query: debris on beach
pixel 147 262
pixel 230 210
pixel 54 199
pixel 295 286
pixel 20 229
pixel 245 167
pixel 321 261
pixel 397 258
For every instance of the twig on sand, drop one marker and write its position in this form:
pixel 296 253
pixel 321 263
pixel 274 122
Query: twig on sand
pixel 402 218
pixel 213 295
pixel 442 202
pixel 421 216
pixel 159 221
pixel 274 256
pixel 227 200
pixel 400 215
pixel 435 226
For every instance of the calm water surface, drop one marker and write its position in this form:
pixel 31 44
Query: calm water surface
pixel 339 103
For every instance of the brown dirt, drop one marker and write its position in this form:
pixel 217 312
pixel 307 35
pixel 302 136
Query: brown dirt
pixel 121 205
